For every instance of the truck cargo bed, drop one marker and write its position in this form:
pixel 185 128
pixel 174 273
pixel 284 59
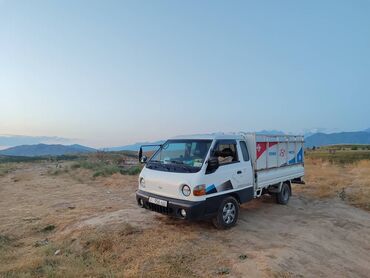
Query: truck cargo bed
pixel 267 177
pixel 275 158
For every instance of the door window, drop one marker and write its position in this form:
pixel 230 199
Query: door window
pixel 244 148
pixel 226 152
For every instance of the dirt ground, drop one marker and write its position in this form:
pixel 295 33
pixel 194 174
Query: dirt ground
pixel 67 224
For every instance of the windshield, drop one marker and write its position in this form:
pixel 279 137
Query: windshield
pixel 180 156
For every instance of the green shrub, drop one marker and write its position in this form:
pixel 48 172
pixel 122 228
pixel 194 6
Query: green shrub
pixel 75 166
pixel 131 171
pixel 106 171
pixel 106 166
pixel 340 157
pixel 90 165
pixel 5 169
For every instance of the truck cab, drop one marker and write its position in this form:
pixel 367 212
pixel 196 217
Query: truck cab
pixel 200 177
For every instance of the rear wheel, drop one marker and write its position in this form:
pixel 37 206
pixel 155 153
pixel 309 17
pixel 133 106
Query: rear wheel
pixel 227 214
pixel 283 196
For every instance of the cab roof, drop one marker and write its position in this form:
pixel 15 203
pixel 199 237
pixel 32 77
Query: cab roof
pixel 212 136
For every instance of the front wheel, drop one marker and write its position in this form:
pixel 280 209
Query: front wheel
pixel 227 214
pixel 283 196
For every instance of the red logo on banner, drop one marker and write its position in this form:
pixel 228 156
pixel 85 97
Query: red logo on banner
pixel 261 147
pixel 272 144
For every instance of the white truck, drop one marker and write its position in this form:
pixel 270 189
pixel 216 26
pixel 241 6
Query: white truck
pixel 209 176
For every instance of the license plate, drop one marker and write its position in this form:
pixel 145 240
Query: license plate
pixel 157 201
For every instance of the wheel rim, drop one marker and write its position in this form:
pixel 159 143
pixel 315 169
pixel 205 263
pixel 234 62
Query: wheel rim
pixel 228 213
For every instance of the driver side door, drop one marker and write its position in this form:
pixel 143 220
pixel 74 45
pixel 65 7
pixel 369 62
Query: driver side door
pixel 228 175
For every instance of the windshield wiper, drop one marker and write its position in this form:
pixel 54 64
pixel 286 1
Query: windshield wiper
pixel 170 167
pixel 176 162
pixel 182 165
pixel 155 161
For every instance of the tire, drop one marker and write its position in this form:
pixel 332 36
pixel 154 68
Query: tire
pixel 227 214
pixel 283 196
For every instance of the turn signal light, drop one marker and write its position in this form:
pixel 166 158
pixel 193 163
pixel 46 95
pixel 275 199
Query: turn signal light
pixel 199 190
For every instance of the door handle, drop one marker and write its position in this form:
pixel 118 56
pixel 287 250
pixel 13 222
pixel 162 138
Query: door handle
pixel 239 172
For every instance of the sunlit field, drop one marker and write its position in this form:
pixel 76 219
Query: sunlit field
pixel 350 182
pixel 79 218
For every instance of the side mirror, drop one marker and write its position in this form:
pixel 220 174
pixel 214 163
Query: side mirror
pixel 143 159
pixel 212 164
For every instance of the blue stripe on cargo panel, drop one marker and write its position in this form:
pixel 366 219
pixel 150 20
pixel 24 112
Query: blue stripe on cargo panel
pixel 292 160
pixel 300 156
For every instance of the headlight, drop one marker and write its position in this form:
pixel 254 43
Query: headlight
pixel 142 182
pixel 186 190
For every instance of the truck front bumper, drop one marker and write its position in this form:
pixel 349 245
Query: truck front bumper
pixel 194 210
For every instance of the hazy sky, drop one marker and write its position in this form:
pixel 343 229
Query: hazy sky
pixel 114 72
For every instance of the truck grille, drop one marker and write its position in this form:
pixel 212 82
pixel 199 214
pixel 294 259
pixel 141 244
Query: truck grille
pixel 158 208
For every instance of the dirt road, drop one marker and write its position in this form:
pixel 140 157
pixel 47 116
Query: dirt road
pixel 307 238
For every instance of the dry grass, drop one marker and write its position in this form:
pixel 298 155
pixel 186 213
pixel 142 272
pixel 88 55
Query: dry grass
pixel 341 154
pixel 86 219
pixel 51 209
pixel 6 168
pixel 106 168
pixel 350 182
pixel 124 252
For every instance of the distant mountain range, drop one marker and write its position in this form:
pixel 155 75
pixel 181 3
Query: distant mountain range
pixel 136 146
pixel 46 149
pixel 322 139
pixel 317 139
pixel 8 140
